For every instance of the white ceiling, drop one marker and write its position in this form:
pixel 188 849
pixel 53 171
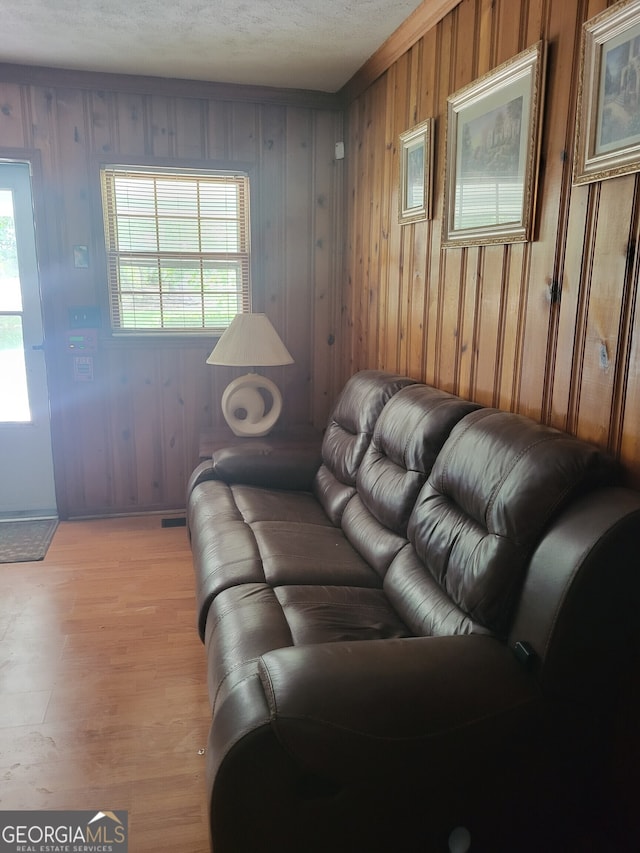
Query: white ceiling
pixel 301 44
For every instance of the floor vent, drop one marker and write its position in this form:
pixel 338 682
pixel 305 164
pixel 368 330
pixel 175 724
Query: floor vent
pixel 174 522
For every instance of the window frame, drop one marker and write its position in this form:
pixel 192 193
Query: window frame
pixel 157 168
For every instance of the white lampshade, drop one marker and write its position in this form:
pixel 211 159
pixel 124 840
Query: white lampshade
pixel 251 341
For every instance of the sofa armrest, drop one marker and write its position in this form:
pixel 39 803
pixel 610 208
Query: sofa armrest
pixel 339 706
pixel 367 744
pixel 579 603
pixel 274 468
pixel 257 464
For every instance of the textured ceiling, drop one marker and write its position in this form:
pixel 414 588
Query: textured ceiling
pixel 302 44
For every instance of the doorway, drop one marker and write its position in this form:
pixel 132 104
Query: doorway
pixel 26 464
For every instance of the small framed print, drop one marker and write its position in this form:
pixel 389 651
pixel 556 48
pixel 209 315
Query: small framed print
pixel 608 120
pixel 81 257
pixel 416 173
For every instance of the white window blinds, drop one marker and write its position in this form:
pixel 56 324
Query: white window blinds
pixel 178 249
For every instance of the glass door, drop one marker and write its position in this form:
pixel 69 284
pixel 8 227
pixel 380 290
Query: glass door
pixel 26 466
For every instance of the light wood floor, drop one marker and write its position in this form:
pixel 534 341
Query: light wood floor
pixel 103 700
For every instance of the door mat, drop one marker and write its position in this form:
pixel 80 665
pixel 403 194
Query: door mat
pixel 26 541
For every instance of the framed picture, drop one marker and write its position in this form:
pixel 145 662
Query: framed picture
pixel 416 173
pixel 493 145
pixel 608 121
pixel 81 257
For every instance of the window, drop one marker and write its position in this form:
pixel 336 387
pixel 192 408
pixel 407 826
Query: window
pixel 178 252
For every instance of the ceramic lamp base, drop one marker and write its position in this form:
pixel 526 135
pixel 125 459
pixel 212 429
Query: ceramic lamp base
pixel 244 406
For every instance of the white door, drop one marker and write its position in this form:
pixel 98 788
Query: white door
pixel 26 465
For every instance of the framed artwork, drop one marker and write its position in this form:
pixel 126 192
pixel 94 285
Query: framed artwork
pixel 493 146
pixel 608 120
pixel 416 173
pixel 81 257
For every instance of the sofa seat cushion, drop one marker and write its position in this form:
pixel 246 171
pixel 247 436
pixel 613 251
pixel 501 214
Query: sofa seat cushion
pixel 224 549
pixel 258 504
pixel 236 540
pixel 329 614
pixel 246 621
pixel 294 553
pixel 224 546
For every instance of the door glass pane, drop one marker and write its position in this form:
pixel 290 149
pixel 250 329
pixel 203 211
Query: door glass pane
pixel 14 398
pixel 10 294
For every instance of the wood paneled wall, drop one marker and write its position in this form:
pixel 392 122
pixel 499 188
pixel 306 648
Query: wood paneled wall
pixel 482 322
pixel 127 441
pixel 344 283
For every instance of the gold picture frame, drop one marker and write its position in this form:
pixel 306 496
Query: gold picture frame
pixel 608 115
pixel 492 153
pixel 416 173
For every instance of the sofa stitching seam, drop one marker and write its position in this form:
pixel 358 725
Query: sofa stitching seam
pixel 226 676
pixel 438 733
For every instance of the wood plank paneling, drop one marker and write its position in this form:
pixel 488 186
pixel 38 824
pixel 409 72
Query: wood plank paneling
pixel 217 130
pixel 375 171
pixel 293 306
pixel 191 129
pixel 13 116
pixel 548 328
pixel 162 127
pixel 601 325
pixel 482 321
pixel 390 330
pixel 328 213
pixel 127 441
pixel 130 124
pixel 627 441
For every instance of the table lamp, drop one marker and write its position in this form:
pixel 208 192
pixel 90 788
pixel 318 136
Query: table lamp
pixel 251 341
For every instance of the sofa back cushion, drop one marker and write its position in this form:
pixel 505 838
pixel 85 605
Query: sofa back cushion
pixel 348 435
pixel 494 488
pixel 407 438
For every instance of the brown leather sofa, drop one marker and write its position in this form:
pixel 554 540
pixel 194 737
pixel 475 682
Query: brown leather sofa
pixel 420 626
